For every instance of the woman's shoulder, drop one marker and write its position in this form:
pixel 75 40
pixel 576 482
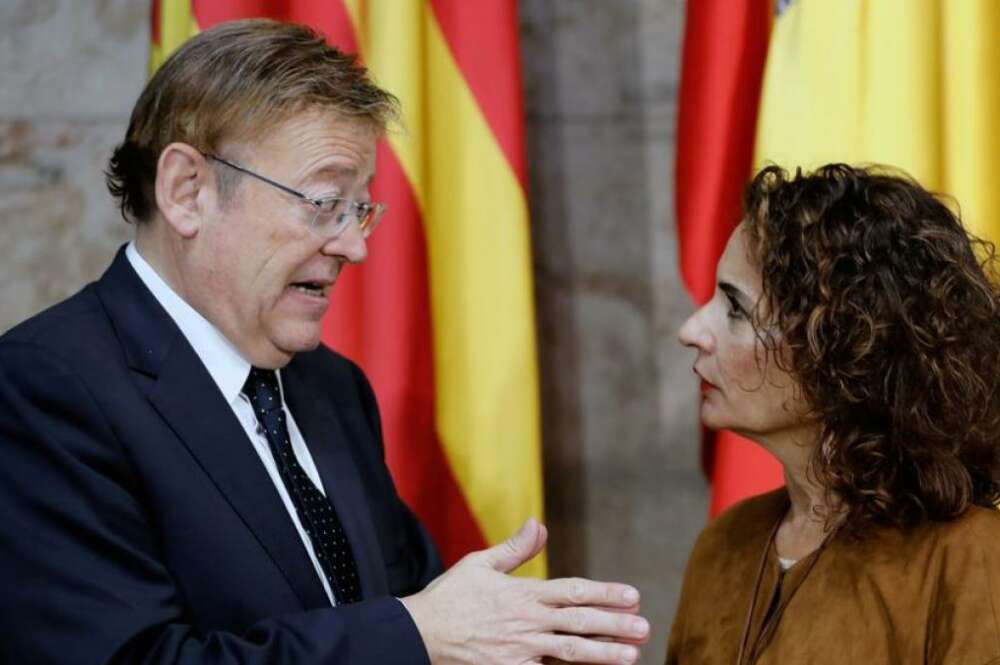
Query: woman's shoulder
pixel 750 513
pixel 964 555
pixel 982 517
pixel 745 525
pixel 978 525
pixel 961 550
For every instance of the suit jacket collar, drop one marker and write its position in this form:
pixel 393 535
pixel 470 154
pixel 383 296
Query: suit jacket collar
pixel 145 331
pixel 226 365
pixel 191 404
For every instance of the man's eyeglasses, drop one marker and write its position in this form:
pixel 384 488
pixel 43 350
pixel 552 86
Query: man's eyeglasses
pixel 332 214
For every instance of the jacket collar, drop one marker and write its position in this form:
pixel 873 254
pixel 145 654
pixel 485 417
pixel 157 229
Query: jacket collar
pixel 189 401
pixel 227 366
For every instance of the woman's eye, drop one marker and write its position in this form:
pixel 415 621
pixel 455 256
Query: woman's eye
pixel 734 311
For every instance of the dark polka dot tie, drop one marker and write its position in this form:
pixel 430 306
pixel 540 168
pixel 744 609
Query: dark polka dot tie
pixel 316 512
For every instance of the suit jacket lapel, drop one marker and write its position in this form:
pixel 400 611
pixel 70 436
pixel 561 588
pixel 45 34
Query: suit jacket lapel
pixel 187 398
pixel 327 439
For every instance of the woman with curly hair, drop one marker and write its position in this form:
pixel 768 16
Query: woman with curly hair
pixel 855 335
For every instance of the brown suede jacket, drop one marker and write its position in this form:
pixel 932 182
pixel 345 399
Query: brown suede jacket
pixel 927 595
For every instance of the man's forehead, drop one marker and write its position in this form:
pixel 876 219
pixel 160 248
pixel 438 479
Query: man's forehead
pixel 313 145
pixel 341 171
pixel 313 127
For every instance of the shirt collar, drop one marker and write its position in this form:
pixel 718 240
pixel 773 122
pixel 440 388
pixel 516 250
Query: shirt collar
pixel 227 366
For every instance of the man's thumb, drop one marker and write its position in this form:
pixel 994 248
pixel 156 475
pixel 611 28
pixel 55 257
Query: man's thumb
pixel 520 547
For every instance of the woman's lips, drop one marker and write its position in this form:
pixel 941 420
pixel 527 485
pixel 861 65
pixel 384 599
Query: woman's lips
pixel 706 386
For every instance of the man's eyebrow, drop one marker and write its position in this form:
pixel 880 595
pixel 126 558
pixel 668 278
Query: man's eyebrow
pixel 336 172
pixel 736 294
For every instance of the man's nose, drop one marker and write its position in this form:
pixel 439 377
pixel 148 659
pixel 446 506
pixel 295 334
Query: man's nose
pixel 350 245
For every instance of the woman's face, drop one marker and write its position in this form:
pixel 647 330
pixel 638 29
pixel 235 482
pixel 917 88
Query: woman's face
pixel 742 388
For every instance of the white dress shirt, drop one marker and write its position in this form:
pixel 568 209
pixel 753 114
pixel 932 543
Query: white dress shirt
pixel 229 369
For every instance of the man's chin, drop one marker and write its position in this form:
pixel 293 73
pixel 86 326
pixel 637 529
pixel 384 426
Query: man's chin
pixel 279 347
pixel 305 339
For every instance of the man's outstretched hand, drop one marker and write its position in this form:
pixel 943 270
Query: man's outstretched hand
pixel 476 613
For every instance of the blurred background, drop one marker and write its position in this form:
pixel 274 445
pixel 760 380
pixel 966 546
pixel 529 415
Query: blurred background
pixel 624 495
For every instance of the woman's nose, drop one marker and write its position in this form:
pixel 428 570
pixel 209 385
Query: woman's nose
pixel 695 334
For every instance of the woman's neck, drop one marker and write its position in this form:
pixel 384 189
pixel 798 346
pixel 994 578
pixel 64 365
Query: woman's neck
pixel 807 499
pixel 807 522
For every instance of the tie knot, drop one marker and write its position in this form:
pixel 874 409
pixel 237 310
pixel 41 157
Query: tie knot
pixel 261 388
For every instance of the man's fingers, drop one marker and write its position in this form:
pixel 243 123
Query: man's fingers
pixel 591 621
pixel 572 649
pixel 578 591
pixel 632 609
pixel 520 547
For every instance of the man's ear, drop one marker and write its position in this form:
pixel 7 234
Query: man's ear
pixel 182 176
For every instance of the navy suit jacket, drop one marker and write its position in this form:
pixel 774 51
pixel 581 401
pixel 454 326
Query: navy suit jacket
pixel 138 525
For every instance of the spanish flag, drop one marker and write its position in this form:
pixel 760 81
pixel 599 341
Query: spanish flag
pixel 907 83
pixel 441 315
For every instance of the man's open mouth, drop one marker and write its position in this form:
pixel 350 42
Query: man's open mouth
pixel 316 289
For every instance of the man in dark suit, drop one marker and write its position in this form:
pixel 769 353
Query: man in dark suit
pixel 186 474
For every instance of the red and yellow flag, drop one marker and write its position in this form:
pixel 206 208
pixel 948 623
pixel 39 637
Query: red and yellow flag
pixel 441 316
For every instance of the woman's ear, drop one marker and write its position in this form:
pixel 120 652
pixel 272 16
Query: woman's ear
pixel 182 173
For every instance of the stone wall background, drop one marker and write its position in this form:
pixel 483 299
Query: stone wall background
pixel 625 498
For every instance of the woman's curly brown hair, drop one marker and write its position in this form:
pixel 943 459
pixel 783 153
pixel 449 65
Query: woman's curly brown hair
pixel 887 312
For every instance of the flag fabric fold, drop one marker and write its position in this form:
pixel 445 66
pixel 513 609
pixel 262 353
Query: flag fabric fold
pixel 912 85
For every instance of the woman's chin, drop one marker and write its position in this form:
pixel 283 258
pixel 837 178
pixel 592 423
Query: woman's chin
pixel 711 418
